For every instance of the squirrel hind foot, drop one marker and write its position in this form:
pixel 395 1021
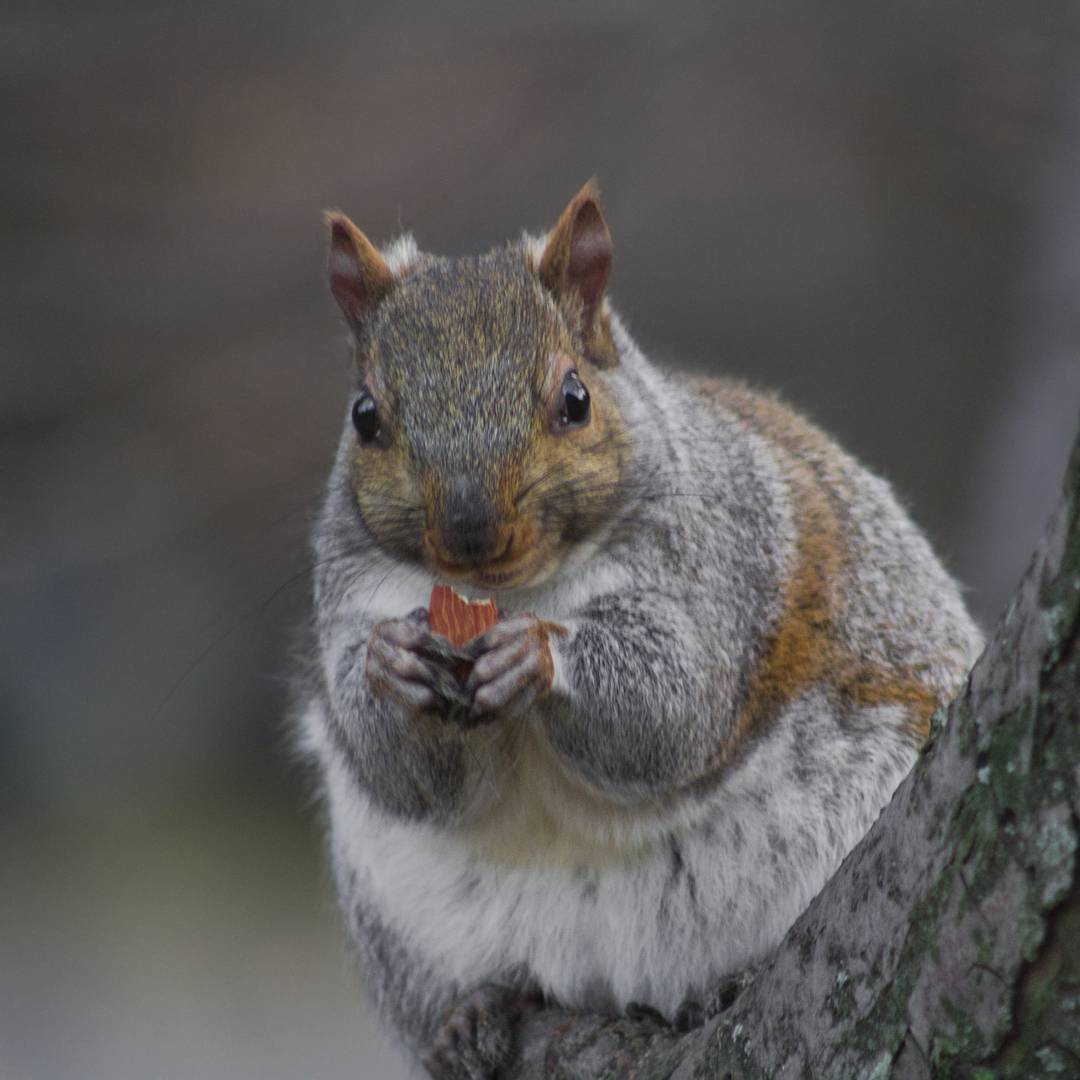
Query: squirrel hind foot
pixel 478 1036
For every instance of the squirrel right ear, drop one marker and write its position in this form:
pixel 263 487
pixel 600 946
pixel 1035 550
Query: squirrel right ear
pixel 577 261
pixel 359 277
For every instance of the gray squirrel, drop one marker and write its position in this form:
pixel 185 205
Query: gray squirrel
pixel 719 646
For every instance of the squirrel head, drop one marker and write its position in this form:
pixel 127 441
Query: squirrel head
pixel 486 439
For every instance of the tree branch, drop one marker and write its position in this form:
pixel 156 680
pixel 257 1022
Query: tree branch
pixel 949 940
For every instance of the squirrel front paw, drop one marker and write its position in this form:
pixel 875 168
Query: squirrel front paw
pixel 477 1036
pixel 513 666
pixel 413 666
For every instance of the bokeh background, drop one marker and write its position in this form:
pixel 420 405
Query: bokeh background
pixel 873 207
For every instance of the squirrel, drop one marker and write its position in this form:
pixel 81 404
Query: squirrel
pixel 719 646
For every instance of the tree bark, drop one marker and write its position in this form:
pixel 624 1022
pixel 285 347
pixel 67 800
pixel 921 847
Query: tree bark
pixel 948 942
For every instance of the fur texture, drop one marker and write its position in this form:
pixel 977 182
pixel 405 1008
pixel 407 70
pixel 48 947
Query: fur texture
pixel 757 636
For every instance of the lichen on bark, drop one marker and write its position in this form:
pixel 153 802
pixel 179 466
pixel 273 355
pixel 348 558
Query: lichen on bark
pixel 948 942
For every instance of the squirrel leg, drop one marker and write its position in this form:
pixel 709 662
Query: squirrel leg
pixel 408 663
pixel 477 1036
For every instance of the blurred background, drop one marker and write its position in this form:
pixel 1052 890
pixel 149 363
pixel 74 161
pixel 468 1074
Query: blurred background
pixel 873 208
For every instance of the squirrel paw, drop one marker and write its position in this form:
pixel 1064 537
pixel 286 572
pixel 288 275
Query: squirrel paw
pixel 722 996
pixel 688 1016
pixel 513 666
pixel 477 1036
pixel 639 1012
pixel 407 662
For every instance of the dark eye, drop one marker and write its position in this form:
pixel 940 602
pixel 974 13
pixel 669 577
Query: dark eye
pixel 365 417
pixel 575 401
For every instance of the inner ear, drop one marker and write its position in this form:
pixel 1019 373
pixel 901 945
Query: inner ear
pixel 358 274
pixel 576 264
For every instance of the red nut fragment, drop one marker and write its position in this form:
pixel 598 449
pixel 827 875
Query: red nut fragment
pixel 457 619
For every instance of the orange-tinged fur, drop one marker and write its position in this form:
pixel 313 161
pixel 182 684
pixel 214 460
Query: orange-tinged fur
pixel 805 648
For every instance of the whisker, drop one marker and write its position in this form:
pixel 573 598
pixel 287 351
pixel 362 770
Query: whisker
pixel 229 630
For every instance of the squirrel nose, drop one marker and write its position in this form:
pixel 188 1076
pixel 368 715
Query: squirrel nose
pixel 469 529
pixel 469 539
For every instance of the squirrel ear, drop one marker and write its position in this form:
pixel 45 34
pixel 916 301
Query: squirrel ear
pixel 577 261
pixel 359 278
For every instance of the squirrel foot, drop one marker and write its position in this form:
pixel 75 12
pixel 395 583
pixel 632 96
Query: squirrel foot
pixel 689 1015
pixel 407 662
pixel 638 1011
pixel 722 996
pixel 477 1036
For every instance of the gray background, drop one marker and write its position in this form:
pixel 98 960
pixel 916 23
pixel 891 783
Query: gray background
pixel 873 208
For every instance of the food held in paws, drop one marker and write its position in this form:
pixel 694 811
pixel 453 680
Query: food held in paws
pixel 457 619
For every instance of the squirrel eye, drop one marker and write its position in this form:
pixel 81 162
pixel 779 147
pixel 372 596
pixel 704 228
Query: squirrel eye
pixel 575 401
pixel 365 417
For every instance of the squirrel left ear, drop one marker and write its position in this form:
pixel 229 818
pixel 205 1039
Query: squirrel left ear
pixel 359 277
pixel 576 262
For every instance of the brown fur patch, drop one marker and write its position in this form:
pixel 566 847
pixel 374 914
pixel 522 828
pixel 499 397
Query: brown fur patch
pixel 867 687
pixel 543 630
pixel 806 648
pixel 546 660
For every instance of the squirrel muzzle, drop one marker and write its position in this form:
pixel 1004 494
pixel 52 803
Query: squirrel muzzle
pixel 469 532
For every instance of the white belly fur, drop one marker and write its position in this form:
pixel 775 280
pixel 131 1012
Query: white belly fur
pixel 602 925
